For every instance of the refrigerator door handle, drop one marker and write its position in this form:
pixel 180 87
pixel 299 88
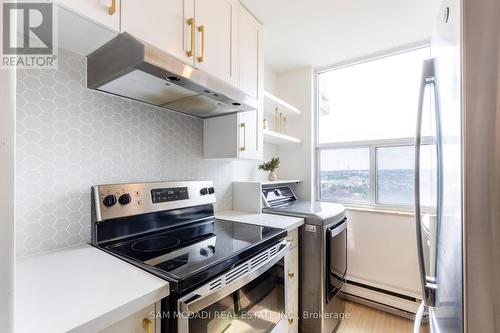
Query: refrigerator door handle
pixel 428 79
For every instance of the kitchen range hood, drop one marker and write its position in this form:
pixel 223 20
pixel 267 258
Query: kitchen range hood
pixel 130 68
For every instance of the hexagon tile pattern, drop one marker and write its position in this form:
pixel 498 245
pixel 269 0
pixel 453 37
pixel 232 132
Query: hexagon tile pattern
pixel 70 138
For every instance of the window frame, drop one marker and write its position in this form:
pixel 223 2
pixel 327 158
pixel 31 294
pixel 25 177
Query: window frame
pixel 372 145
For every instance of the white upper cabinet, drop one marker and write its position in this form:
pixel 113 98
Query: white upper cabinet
pixel 162 23
pixel 240 136
pixel 104 12
pixel 249 53
pixel 199 32
pixel 216 38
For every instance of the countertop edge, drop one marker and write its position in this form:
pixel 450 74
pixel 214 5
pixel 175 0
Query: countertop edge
pixel 132 300
pixel 272 220
pixel 116 315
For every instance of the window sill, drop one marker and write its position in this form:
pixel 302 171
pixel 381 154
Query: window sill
pixel 378 210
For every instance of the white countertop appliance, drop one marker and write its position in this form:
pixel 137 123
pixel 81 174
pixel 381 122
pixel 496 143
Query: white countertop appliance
pixel 323 256
pixel 220 272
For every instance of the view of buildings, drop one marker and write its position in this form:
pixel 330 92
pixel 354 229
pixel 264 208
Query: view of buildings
pixel 395 186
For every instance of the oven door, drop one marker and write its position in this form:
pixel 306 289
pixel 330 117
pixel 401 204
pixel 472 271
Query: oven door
pixel 249 298
pixel 336 254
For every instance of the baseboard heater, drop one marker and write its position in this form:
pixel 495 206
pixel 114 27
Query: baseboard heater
pixel 383 306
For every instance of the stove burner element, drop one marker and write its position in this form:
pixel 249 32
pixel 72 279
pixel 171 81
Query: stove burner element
pixel 155 244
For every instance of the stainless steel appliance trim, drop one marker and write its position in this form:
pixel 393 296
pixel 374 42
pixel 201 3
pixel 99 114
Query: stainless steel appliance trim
pixel 278 203
pixel 218 288
pixel 338 229
pixel 142 200
pixel 97 202
pixel 125 54
pixel 428 78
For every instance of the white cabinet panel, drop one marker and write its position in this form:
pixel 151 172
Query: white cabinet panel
pixel 233 136
pixel 248 135
pixel 216 38
pixel 162 23
pixel 292 306
pixel 221 137
pixel 293 267
pixel 249 53
pixel 135 323
pixel 104 12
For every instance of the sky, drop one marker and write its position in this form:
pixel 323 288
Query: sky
pixel 371 101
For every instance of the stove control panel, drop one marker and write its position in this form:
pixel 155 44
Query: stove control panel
pixel 122 200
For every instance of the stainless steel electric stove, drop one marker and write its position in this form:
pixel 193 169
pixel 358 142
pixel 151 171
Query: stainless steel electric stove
pixel 169 230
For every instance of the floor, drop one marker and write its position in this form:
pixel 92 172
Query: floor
pixel 364 319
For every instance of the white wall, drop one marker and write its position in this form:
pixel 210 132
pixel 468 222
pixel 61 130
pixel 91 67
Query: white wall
pixel 270 80
pixel 7 144
pixel 70 138
pixel 296 87
pixel 382 251
pixel 249 170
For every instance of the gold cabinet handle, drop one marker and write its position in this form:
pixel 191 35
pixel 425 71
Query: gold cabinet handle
pixel 190 22
pixel 112 8
pixel 201 29
pixel 290 321
pixel 291 275
pixel 243 125
pixel 147 325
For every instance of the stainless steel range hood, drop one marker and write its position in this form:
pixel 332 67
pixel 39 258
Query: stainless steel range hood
pixel 130 68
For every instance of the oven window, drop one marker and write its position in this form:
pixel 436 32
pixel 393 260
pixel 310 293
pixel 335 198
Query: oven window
pixel 256 307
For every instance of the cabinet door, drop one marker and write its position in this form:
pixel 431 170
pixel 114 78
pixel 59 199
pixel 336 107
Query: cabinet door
pixel 248 134
pixel 135 323
pixel 216 38
pixel 165 24
pixel 249 52
pixel 293 290
pixel 104 12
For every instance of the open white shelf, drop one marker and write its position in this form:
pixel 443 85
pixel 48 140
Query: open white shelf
pixel 280 181
pixel 271 182
pixel 287 110
pixel 279 139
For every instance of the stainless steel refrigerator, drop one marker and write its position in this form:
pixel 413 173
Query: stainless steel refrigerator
pixel 457 176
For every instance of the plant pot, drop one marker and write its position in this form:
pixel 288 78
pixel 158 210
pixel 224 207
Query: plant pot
pixel 272 176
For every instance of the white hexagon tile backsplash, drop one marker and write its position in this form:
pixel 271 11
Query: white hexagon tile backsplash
pixel 70 138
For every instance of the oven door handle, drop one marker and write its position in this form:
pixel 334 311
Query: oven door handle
pixel 205 296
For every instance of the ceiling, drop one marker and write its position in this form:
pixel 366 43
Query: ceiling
pixel 325 32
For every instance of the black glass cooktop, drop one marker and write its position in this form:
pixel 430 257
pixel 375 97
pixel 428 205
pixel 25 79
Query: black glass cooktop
pixel 197 252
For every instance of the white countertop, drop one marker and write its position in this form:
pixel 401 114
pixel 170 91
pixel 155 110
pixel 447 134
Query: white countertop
pixel 269 220
pixel 80 289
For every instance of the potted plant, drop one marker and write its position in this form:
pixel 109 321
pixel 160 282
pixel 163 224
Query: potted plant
pixel 271 166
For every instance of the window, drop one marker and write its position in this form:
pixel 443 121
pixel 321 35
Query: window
pixel 345 174
pixel 366 124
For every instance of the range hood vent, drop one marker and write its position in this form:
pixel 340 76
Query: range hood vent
pixel 130 68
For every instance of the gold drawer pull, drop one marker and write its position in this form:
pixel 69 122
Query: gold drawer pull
pixel 291 275
pixel 201 29
pixel 190 22
pixel 112 8
pixel 290 321
pixel 147 325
